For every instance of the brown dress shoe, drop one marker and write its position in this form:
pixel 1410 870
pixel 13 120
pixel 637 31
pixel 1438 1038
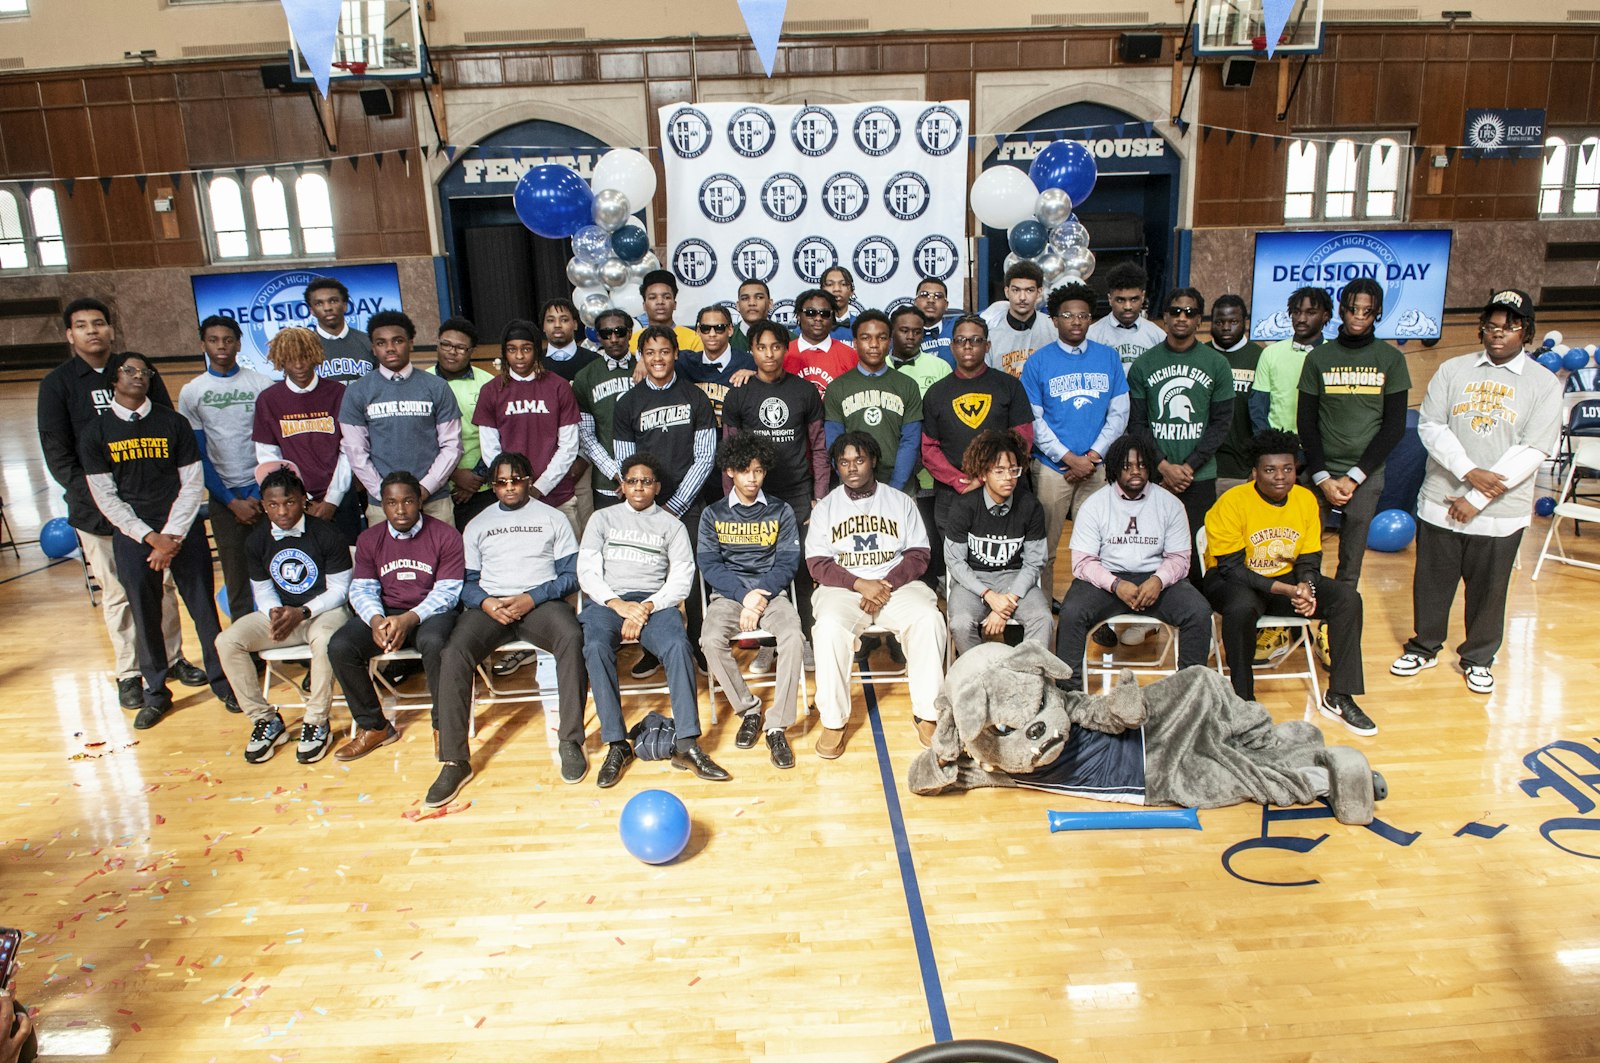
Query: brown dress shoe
pixel 365 742
pixel 830 743
pixel 925 729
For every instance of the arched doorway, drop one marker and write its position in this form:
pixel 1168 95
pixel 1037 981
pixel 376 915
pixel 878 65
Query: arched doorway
pixel 1133 213
pixel 497 269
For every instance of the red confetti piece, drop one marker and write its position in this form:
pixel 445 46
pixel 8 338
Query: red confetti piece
pixel 414 955
pixel 136 1028
pixel 124 1011
pixel 160 819
pixel 694 980
pixel 590 900
pixel 479 1022
pixel 620 941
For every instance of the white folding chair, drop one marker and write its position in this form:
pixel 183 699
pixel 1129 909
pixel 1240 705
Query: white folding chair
pixel 276 655
pixel 1110 664
pixel 753 683
pixel 1300 626
pixel 1585 455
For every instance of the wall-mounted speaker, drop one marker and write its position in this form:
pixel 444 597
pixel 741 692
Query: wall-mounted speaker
pixel 1138 47
pixel 1238 72
pixel 276 76
pixel 377 102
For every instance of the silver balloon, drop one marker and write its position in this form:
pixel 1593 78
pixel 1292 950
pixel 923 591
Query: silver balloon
pixel 649 262
pixel 613 273
pixel 592 244
pixel 1052 207
pixel 1079 261
pixel 581 295
pixel 610 209
pixel 1011 260
pixel 593 305
pixel 585 315
pixel 583 274
pixel 1051 265
pixel 1069 277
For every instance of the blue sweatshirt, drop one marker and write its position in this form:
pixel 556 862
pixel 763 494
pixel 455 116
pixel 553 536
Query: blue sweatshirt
pixel 1080 401
pixel 746 548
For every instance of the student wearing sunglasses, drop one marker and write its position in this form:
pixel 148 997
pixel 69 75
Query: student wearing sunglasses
pixel 712 369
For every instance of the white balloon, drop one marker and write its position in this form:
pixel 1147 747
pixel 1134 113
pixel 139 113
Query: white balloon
pixel 1554 336
pixel 1560 348
pixel 582 274
pixel 613 273
pixel 1003 196
pixel 627 298
pixel 628 172
pixel 1052 207
pixel 610 209
pixel 582 295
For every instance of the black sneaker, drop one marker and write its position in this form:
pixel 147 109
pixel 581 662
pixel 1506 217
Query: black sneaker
pixel 618 756
pixel 574 764
pixel 265 738
pixel 646 666
pixel 453 775
pixel 778 746
pixel 130 692
pixel 749 728
pixel 315 741
pixel 150 715
pixel 1104 636
pixel 1342 707
pixel 186 673
pixel 508 664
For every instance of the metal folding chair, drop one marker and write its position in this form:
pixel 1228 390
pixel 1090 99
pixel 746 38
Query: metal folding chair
pixel 1299 625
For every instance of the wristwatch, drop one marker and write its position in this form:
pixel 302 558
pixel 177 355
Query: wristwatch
pixel 306 609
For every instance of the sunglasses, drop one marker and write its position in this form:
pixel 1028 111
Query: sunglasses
pixel 509 481
pixel 612 333
pixel 712 328
pixel 1183 311
pixel 639 481
pixel 815 311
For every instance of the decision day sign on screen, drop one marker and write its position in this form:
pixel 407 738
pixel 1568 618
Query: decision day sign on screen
pixel 265 301
pixel 1410 264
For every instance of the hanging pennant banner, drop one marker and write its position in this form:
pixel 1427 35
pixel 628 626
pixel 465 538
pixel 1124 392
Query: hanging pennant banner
pixel 314 24
pixel 764 20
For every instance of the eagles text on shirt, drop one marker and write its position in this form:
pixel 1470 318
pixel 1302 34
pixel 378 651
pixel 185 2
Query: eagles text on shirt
pixel 135 449
pixel 862 530
pixel 747 532
pixel 223 398
pixel 377 411
pixel 664 417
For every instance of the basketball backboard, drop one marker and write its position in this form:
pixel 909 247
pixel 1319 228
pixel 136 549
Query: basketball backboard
pixel 1239 27
pixel 376 39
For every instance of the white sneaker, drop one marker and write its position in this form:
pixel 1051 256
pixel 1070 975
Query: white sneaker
pixel 1412 663
pixel 1479 679
pixel 763 663
pixel 1135 634
pixel 810 658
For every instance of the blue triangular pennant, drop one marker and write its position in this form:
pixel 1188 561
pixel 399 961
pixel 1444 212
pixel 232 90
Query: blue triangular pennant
pixel 315 25
pixel 70 184
pixel 177 182
pixel 449 151
pixel 1275 13
pixel 105 186
pixel 764 20
pixel 142 180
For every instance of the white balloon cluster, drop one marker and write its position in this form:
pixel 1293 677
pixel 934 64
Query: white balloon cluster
pixel 611 256
pixel 1040 226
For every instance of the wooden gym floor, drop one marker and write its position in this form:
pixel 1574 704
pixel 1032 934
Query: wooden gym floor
pixel 183 905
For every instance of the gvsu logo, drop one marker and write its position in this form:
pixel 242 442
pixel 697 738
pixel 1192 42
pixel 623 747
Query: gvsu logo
pixel 755 260
pixel 935 256
pixel 689 133
pixel 812 256
pixel 721 197
pixel 814 131
pixel 783 197
pixel 906 195
pixel 877 131
pixel 938 130
pixel 876 258
pixel 751 132
pixel 695 263
pixel 844 196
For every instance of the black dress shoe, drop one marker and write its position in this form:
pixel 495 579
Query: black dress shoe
pixel 699 761
pixel 778 745
pixel 186 673
pixel 617 758
pixel 231 703
pixel 574 763
pixel 130 692
pixel 749 728
pixel 150 715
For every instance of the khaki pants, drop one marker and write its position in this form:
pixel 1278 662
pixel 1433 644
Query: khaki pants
pixel 1060 501
pixel 114 607
pixel 252 632
pixel 583 497
pixel 721 626
pixel 912 615
pixel 441 508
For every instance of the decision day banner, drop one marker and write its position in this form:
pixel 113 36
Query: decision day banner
pixel 1410 264
pixel 265 301
pixel 782 193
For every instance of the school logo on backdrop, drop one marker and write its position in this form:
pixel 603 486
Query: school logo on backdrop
pixel 876 258
pixel 938 130
pixel 721 197
pixel 844 196
pixel 907 195
pixel 783 196
pixel 695 263
pixel 935 256
pixel 877 131
pixel 812 256
pixel 751 132
pixel 783 313
pixel 814 131
pixel 689 133
pixel 755 259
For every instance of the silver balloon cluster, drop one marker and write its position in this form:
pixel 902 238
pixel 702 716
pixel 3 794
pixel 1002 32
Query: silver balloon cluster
pixel 1054 240
pixel 611 256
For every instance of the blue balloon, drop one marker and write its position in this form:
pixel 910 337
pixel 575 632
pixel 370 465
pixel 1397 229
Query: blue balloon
pixel 1544 506
pixel 1575 359
pixel 1550 360
pixel 553 201
pixel 630 243
pixel 1549 342
pixel 654 826
pixel 1066 165
pixel 1028 238
pixel 56 538
pixel 1391 531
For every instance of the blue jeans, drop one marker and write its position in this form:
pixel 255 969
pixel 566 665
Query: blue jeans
pixel 664 636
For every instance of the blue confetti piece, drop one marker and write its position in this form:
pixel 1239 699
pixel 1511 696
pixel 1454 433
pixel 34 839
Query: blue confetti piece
pixel 378 953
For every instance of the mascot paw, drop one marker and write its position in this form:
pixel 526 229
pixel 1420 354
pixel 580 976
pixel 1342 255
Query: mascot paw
pixel 1380 786
pixel 1352 784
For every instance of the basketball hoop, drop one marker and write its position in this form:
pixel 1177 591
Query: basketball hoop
pixel 354 67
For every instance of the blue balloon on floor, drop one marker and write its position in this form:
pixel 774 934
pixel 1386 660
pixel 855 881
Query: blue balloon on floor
pixel 222 603
pixel 654 826
pixel 1575 358
pixel 1544 506
pixel 1391 531
pixel 56 538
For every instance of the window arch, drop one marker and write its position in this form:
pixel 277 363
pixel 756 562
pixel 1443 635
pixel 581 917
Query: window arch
pixel 1346 177
pixel 30 230
pixel 253 215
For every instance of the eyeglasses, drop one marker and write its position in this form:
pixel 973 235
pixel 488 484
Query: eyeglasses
pixel 135 372
pixel 613 333
pixel 932 295
pixel 968 342
pixel 1183 311
pixel 443 346
pixel 509 481
pixel 1010 472
pixel 1361 313
pixel 1501 330
pixel 1075 315
pixel 816 311
pixel 712 328
pixel 639 481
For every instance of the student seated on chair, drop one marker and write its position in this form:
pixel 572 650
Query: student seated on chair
pixel 866 549
pixel 994 546
pixel 522 562
pixel 299 568
pixel 1130 554
pixel 748 552
pixel 635 567
pixel 1264 557
pixel 405 590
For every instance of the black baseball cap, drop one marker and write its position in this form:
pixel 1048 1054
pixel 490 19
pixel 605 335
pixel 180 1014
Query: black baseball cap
pixel 1513 300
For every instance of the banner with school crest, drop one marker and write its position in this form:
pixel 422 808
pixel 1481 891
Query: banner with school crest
pixel 781 193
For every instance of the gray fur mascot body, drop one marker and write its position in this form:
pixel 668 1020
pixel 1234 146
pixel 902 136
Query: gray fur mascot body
pixel 1187 740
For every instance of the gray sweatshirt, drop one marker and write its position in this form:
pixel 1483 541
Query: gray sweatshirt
pixel 625 551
